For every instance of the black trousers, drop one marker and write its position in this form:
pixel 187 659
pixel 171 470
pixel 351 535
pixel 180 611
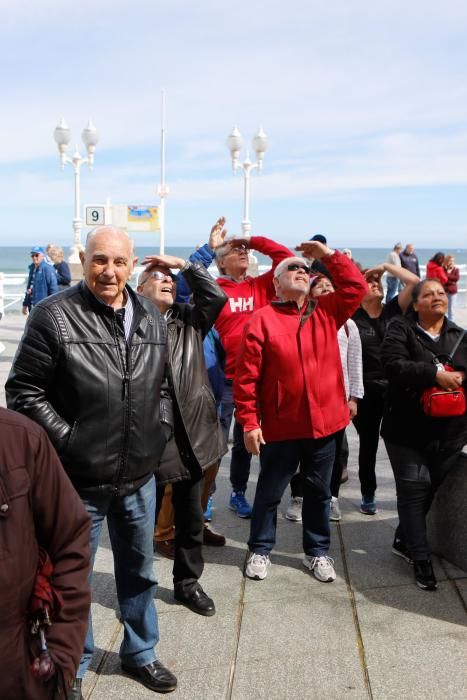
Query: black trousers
pixel 340 462
pixel 189 529
pixel 418 475
pixel 368 423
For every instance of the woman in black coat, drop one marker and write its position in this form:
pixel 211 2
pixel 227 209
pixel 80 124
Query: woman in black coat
pixel 422 449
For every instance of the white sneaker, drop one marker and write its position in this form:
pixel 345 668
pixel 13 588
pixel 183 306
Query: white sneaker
pixel 257 566
pixel 294 511
pixel 322 568
pixel 335 513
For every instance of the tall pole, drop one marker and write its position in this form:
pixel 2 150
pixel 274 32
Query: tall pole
pixel 163 190
pixel 77 221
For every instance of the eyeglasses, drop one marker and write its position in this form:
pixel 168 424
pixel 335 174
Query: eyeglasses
pixel 158 275
pixel 239 249
pixel 294 267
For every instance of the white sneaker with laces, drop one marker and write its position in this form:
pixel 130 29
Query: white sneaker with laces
pixel 322 568
pixel 294 511
pixel 335 513
pixel 257 566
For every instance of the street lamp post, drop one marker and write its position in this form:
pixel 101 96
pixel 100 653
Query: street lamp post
pixel 62 136
pixel 259 145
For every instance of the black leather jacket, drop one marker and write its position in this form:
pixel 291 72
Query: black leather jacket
pixel 198 441
pixel 98 398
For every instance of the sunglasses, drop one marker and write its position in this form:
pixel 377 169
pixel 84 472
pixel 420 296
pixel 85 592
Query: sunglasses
pixel 35 255
pixel 294 267
pixel 158 275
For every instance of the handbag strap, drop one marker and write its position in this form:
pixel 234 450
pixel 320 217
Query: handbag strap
pixel 449 355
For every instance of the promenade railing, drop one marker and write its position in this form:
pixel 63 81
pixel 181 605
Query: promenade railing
pixel 13 285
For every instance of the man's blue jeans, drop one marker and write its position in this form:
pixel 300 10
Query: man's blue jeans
pixel 279 461
pixel 393 288
pixel 130 521
pixel 240 460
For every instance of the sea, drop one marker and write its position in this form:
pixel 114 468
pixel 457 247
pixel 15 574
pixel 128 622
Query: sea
pixel 14 260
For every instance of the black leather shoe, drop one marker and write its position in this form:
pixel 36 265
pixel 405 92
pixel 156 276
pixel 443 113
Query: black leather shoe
pixel 197 601
pixel 75 691
pixel 154 676
pixel 424 575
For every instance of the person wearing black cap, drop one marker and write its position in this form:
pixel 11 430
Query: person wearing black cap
pixel 42 280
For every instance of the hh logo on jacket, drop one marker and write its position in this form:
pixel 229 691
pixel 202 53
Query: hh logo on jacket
pixel 241 304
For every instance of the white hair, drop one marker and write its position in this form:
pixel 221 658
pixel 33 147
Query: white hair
pixel 288 261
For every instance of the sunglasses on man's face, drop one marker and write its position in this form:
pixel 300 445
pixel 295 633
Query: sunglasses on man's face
pixel 158 275
pixel 35 255
pixel 294 267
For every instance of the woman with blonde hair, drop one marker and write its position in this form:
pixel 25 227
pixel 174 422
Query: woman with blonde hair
pixel 451 286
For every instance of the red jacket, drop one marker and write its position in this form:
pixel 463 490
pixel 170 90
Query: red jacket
pixel 289 374
pixel 436 272
pixel 246 296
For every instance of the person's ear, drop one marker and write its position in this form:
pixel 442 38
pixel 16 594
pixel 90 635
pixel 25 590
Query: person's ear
pixel 82 257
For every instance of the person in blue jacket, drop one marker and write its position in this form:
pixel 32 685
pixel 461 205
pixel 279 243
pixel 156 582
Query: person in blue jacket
pixel 42 280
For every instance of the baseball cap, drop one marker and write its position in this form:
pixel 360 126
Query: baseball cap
pixel 37 249
pixel 320 238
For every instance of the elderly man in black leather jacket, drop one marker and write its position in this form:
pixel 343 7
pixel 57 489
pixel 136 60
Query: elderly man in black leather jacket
pixel 198 439
pixel 90 369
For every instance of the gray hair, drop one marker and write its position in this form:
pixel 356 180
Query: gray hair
pixel 283 264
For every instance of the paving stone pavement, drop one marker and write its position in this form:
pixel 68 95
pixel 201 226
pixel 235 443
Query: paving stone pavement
pixel 370 634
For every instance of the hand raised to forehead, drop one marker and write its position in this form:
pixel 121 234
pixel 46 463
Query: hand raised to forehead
pixel 166 261
pixel 313 249
pixel 376 271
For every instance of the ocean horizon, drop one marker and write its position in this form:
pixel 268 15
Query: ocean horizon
pixel 15 259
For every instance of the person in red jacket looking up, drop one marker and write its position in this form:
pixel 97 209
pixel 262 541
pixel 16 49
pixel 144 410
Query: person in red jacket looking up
pixel 291 400
pixel 435 269
pixel 245 294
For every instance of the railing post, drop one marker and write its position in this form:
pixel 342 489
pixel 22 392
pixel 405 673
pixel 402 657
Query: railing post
pixel 2 304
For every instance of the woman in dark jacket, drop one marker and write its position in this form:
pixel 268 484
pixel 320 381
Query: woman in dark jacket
pixel 422 449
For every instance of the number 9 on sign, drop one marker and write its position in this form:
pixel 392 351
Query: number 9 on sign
pixel 95 216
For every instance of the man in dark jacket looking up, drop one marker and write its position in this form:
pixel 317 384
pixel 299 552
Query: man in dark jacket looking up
pixel 89 369
pixel 198 439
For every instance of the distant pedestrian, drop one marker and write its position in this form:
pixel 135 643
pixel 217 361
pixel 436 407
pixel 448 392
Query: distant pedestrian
pixel 42 280
pixel 393 283
pixel 409 259
pixel 435 269
pixel 61 267
pixel 451 287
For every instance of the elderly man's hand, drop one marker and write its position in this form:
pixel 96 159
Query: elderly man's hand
pixel 168 261
pixel 314 249
pixel 253 440
pixel 218 234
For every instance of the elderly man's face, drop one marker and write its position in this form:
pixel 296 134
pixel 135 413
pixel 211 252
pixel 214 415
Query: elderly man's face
pixel 37 258
pixel 235 262
pixel 159 286
pixel 293 283
pixel 108 265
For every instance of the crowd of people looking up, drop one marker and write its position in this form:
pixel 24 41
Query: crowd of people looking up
pixel 135 392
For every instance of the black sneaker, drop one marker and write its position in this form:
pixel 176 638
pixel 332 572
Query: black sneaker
pixel 424 575
pixel 400 550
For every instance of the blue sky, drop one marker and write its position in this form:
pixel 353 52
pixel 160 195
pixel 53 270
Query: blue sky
pixel 364 104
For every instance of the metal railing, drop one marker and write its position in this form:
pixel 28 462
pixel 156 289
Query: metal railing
pixel 13 285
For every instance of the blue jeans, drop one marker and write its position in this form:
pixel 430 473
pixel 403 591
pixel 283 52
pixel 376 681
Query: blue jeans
pixel 278 464
pixel 130 521
pixel 240 459
pixel 392 288
pixel 451 300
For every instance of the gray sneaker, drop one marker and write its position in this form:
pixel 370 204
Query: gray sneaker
pixel 294 511
pixel 335 512
pixel 257 566
pixel 322 568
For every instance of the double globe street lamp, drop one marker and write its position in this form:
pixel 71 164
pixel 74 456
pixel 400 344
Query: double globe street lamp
pixel 62 136
pixel 259 145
